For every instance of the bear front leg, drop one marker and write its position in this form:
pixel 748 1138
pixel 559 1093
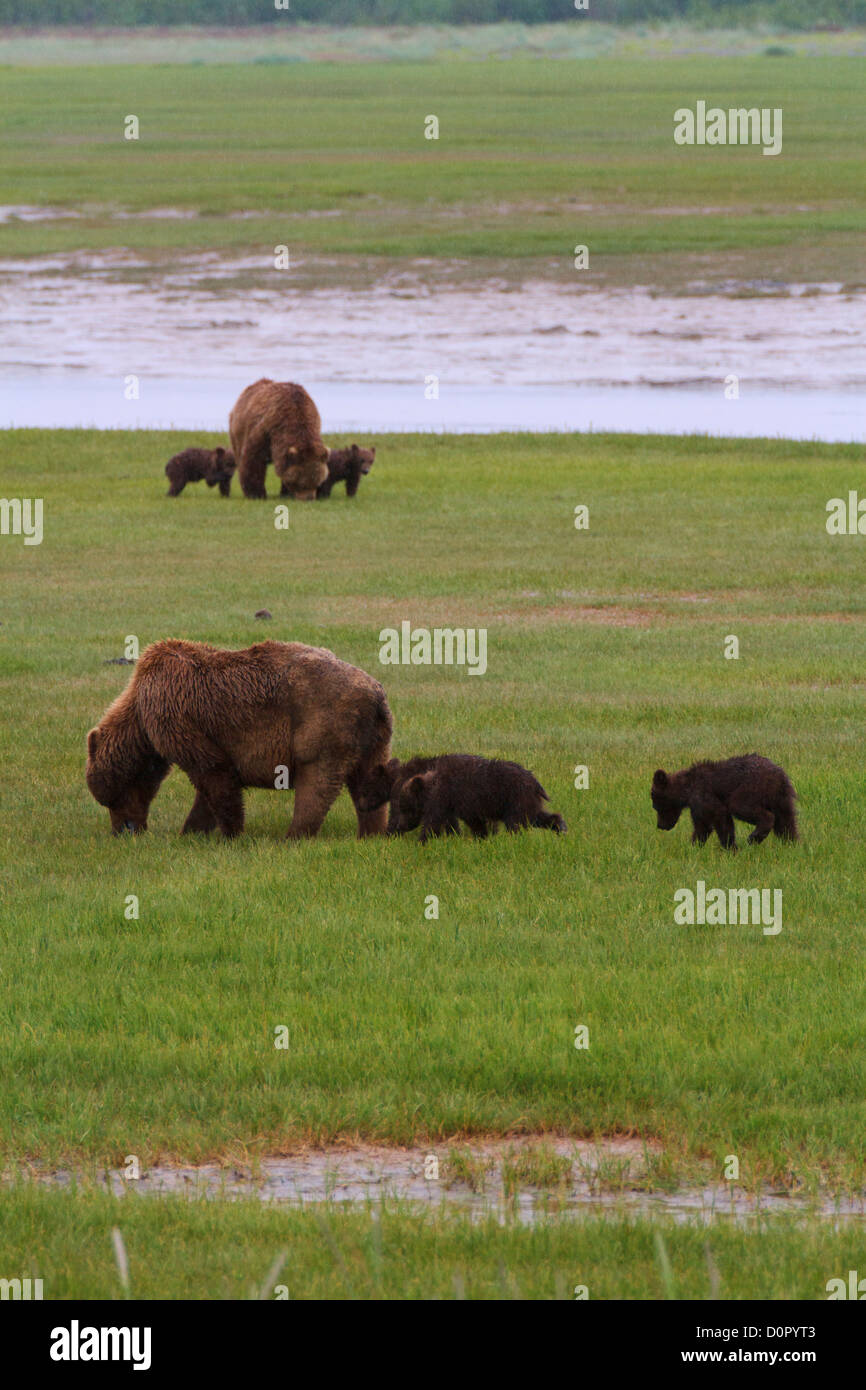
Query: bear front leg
pixel 201 817
pixel 222 791
pixel 702 830
pixel 251 471
pixel 317 787
pixel 436 825
pixel 724 827
pixel 225 487
pixel 353 479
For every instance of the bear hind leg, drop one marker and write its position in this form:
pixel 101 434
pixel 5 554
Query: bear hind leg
pixel 763 825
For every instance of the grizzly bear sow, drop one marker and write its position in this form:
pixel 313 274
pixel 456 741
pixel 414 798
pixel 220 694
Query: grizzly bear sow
pixel 214 466
pixel 273 715
pixel 346 466
pixel 277 422
pixel 437 793
pixel 750 788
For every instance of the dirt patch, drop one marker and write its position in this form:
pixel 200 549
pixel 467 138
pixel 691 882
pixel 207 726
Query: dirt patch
pixel 451 613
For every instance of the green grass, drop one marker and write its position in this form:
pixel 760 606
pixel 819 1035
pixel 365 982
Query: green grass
pixel 156 1036
pixel 533 158
pixel 183 1249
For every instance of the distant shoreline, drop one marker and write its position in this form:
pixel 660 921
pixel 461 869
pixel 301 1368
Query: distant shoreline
pixel 581 38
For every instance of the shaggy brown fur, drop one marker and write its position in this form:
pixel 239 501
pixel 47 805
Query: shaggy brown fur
pixel 750 788
pixel 229 719
pixel 277 422
pixel 348 466
pixel 213 466
pixel 437 793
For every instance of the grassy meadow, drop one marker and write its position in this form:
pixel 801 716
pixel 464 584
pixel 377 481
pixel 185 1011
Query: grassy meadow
pixel 605 648
pixel 154 1035
pixel 532 158
pixel 182 1249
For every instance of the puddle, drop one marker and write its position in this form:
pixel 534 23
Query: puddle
pixel 537 356
pixel 611 1177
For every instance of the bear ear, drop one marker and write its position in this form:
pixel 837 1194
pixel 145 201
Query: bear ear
pixel 418 782
pixel 219 453
pixel 373 451
pixel 660 778
pixel 292 450
pixel 92 743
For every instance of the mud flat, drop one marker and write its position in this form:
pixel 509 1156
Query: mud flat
pixel 409 354
pixel 518 1179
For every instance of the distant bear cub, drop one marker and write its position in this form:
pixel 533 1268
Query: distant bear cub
pixel 437 793
pixel 346 466
pixel 215 466
pixel 750 788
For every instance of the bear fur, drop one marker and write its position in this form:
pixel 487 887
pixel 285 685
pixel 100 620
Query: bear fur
pixel 277 422
pixel 750 788
pixel 437 793
pixel 231 719
pixel 348 466
pixel 213 466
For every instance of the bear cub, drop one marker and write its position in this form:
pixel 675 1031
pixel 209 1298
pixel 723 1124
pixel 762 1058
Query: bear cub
pixel 437 793
pixel 214 466
pixel 750 788
pixel 346 466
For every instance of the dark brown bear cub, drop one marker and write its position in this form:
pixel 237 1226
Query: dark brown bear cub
pixel 438 793
pixel 346 466
pixel 214 466
pixel 750 788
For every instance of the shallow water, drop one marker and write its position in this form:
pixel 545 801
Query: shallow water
pixel 371 1174
pixel 538 355
pixel 55 400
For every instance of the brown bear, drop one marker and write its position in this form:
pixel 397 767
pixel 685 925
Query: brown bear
pixel 214 466
pixel 348 466
pixel 275 713
pixel 277 422
pixel 437 793
pixel 751 788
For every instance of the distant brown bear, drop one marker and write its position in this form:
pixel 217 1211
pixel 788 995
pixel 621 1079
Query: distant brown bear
pixel 437 793
pixel 348 466
pixel 213 466
pixel 277 422
pixel 235 719
pixel 751 788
